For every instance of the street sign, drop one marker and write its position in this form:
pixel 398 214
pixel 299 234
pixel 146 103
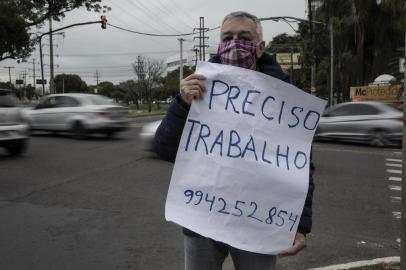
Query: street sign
pixel 391 92
pixel 19 82
pixel 39 81
pixel 401 64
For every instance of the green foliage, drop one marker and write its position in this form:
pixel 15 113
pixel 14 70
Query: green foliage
pixel 368 40
pixel 17 16
pixel 170 86
pixel 283 43
pixel 70 83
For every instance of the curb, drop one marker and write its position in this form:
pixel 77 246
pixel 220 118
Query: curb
pixel 386 260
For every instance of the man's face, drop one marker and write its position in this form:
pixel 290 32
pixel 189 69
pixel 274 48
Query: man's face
pixel 242 28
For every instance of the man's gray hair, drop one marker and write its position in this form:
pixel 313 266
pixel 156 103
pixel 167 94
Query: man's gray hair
pixel 243 14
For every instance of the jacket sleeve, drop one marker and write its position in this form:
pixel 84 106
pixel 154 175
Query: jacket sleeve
pixel 169 132
pixel 305 224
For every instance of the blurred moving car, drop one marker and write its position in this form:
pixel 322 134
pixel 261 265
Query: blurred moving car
pixel 147 134
pixel 13 125
pixel 376 123
pixel 79 114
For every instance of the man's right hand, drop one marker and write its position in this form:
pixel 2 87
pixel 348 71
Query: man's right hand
pixel 192 87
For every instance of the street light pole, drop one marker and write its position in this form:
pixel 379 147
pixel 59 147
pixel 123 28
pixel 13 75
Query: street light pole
pixel 181 60
pixel 331 62
pixel 283 18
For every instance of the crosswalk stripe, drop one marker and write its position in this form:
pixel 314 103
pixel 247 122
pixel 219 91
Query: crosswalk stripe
pixel 395 188
pixel 394 165
pixel 394 171
pixel 395 199
pixel 397 215
pixel 393 160
pixel 393 178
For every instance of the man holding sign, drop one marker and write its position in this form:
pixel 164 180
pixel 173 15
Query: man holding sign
pixel 242 182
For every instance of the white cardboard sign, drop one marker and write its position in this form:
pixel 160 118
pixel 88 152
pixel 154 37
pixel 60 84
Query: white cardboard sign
pixel 242 168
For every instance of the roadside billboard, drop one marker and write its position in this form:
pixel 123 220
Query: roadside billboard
pixel 392 92
pixel 285 60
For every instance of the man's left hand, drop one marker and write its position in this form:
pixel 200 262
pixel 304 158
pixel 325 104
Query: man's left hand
pixel 298 245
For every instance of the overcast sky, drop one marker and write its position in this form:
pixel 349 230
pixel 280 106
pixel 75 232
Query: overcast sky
pixel 85 49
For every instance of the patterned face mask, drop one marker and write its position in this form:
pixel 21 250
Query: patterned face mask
pixel 237 52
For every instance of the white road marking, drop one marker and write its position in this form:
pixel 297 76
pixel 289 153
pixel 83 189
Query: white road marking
pixel 394 165
pixel 393 178
pixel 394 171
pixel 395 199
pixel 397 215
pixel 393 160
pixel 396 188
pixel 359 264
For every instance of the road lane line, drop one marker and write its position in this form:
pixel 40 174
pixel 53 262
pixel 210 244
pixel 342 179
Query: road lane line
pixel 394 171
pixel 395 188
pixel 393 178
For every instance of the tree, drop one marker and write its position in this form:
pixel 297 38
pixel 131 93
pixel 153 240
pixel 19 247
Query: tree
pixel 18 16
pixel 148 72
pixel 171 81
pixel 367 36
pixel 132 91
pixel 106 89
pixel 70 83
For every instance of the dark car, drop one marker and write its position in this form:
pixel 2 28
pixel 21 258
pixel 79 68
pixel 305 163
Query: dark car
pixel 13 124
pixel 376 123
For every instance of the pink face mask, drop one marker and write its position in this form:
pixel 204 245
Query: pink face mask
pixel 237 52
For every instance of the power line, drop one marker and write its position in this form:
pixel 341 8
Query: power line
pixel 160 35
pixel 147 10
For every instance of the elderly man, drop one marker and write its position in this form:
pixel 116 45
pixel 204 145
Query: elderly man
pixel 241 45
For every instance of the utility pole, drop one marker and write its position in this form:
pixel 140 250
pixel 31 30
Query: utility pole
pixel 313 67
pixel 33 72
pixel 202 40
pixel 51 58
pixel 181 60
pixel 291 65
pixel 196 51
pixel 97 75
pixel 331 62
pixel 139 70
pixel 9 74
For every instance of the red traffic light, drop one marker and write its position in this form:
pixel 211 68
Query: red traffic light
pixel 103 20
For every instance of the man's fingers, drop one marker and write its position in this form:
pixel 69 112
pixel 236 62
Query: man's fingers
pixel 298 245
pixel 195 76
pixel 194 82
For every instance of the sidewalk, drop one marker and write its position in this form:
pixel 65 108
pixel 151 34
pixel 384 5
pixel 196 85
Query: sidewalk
pixel 388 263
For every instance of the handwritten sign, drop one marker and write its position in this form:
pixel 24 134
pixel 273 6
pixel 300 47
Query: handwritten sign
pixel 242 167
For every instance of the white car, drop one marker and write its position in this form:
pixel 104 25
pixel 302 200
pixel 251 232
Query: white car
pixel 13 124
pixel 79 114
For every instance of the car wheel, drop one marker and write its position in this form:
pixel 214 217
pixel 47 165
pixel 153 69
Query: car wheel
pixel 378 138
pixel 17 148
pixel 78 131
pixel 110 134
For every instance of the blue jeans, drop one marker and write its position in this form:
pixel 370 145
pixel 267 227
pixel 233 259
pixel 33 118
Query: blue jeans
pixel 206 254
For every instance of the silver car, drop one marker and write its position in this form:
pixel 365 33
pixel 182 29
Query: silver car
pixel 79 114
pixel 13 124
pixel 376 123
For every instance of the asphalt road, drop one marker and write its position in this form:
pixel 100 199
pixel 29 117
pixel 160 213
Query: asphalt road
pixel 99 204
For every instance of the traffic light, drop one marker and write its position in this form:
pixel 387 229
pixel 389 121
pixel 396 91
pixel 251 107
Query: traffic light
pixel 103 22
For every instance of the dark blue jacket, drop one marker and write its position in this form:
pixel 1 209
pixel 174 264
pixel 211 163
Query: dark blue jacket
pixel 167 137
